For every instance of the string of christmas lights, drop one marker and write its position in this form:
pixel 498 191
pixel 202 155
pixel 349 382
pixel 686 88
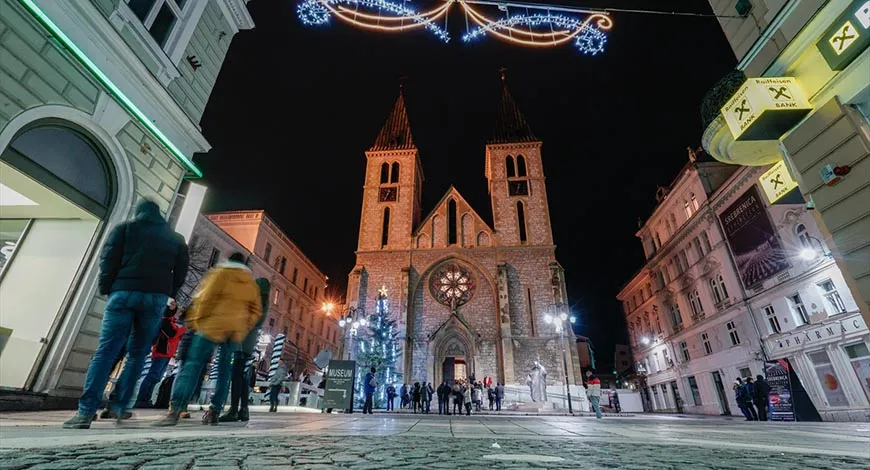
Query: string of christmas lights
pixel 539 29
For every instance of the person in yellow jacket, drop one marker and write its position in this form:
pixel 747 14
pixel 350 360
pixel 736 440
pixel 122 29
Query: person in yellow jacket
pixel 225 308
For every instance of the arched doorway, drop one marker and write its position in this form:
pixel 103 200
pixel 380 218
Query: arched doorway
pixel 452 353
pixel 58 189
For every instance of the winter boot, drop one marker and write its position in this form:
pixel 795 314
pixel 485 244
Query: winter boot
pixel 210 417
pixel 78 421
pixel 244 414
pixel 170 419
pixel 229 417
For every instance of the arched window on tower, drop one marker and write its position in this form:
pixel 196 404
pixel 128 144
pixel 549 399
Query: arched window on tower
pixel 509 166
pixel 394 175
pixel 521 220
pixel 385 230
pixel 451 222
pixel 521 165
pixel 385 173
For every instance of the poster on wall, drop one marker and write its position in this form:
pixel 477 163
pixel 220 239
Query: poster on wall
pixel 831 385
pixel 779 399
pixel 753 240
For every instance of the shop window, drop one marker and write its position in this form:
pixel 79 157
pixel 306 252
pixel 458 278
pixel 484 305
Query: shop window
pixel 733 334
pixel 828 380
pixel 859 357
pixel 832 297
pixel 798 307
pixel 696 392
pixel 772 319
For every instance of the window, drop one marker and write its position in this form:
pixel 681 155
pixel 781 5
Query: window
pixel 451 222
pixel 521 165
pixel 859 357
pixel 668 227
pixel 385 173
pixel 772 320
pixel 283 265
pixel 394 175
pixel 687 209
pixel 675 314
pixel 705 340
pixel 797 306
pixel 745 372
pixel 290 305
pixel 305 285
pixel 276 297
pixel 268 253
pixel 385 230
pixel 684 259
pixel 829 291
pixel 698 250
pixel 667 358
pixel 158 16
pixel 315 293
pixel 695 304
pixel 743 7
pixel 830 383
pixel 658 325
pixel 684 348
pixel 665 398
pixel 705 241
pixel 295 275
pixel 732 332
pixel 717 287
pixel 521 220
pixel 658 240
pixel 657 362
pixel 509 166
pixel 674 223
pixel 694 201
pixel 696 392
pixel 214 258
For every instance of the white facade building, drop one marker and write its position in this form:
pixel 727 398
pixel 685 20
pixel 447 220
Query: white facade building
pixel 729 283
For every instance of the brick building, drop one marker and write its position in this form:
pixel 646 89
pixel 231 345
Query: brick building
pixel 469 294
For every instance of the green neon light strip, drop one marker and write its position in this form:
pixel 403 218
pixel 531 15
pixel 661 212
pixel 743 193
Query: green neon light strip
pixel 113 89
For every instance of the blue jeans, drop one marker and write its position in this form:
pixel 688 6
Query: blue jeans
pixel 155 373
pixel 596 406
pixel 133 318
pixel 201 349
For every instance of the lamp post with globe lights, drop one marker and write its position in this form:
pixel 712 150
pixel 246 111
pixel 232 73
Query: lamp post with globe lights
pixel 562 321
pixel 350 320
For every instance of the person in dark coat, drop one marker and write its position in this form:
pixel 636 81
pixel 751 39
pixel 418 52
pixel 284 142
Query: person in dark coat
pixel 239 390
pixel 143 264
pixel 391 398
pixel 165 345
pixel 369 386
pixel 499 396
pixel 743 399
pixel 443 391
pixel 416 397
pixel 762 390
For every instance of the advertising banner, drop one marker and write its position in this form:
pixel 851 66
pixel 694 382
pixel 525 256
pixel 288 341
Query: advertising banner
pixel 338 391
pixel 753 240
pixel 779 398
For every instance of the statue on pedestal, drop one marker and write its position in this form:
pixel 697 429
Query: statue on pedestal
pixel 537 382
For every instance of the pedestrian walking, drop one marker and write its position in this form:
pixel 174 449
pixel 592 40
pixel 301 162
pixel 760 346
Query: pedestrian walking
pixel 142 266
pixel 225 309
pixel 742 399
pixel 391 397
pixel 593 392
pixel 275 385
pixel 165 346
pixel 239 389
pixel 499 396
pixel 750 395
pixel 760 397
pixel 370 384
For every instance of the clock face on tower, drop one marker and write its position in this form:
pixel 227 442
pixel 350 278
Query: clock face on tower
pixel 387 195
pixel 518 188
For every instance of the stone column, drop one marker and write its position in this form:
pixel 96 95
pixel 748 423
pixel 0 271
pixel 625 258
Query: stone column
pixel 507 347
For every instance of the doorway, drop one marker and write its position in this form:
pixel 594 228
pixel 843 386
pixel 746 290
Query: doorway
pixel 678 402
pixel 720 393
pixel 454 368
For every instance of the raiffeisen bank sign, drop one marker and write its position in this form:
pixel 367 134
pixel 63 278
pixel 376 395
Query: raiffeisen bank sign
pixel 847 37
pixel 765 108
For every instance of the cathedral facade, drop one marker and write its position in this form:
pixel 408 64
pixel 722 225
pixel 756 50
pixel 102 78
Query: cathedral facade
pixel 469 295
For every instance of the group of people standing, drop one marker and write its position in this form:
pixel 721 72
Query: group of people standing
pixel 751 397
pixel 463 395
pixel 143 265
pixel 416 397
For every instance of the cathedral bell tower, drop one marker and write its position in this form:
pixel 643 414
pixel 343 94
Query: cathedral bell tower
pixel 515 174
pixel 394 179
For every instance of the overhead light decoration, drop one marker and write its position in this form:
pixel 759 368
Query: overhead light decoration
pixel 538 26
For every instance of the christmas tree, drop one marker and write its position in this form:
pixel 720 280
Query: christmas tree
pixel 377 348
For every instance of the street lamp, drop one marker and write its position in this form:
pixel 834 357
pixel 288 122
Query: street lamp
pixel 562 321
pixel 350 319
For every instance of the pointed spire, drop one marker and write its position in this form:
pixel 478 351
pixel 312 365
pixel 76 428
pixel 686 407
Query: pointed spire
pixel 510 125
pixel 396 133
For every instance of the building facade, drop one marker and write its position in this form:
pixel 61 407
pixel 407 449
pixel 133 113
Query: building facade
pixel 731 283
pixel 99 107
pixel 806 103
pixel 469 296
pixel 297 284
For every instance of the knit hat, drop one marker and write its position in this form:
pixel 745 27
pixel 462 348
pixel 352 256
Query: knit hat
pixel 738 382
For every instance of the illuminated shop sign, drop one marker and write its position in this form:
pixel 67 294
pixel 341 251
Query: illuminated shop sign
pixel 765 108
pixel 777 182
pixel 847 37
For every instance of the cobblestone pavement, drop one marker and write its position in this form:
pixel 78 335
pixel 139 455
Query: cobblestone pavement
pixel 315 441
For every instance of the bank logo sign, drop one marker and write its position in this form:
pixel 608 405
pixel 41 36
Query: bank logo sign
pixel 765 108
pixel 777 182
pixel 847 37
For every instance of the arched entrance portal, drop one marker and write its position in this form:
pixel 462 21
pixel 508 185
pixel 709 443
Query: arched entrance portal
pixel 452 353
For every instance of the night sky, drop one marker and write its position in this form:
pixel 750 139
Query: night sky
pixel 295 108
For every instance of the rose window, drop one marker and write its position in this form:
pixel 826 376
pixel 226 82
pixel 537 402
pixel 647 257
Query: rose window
pixel 452 285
